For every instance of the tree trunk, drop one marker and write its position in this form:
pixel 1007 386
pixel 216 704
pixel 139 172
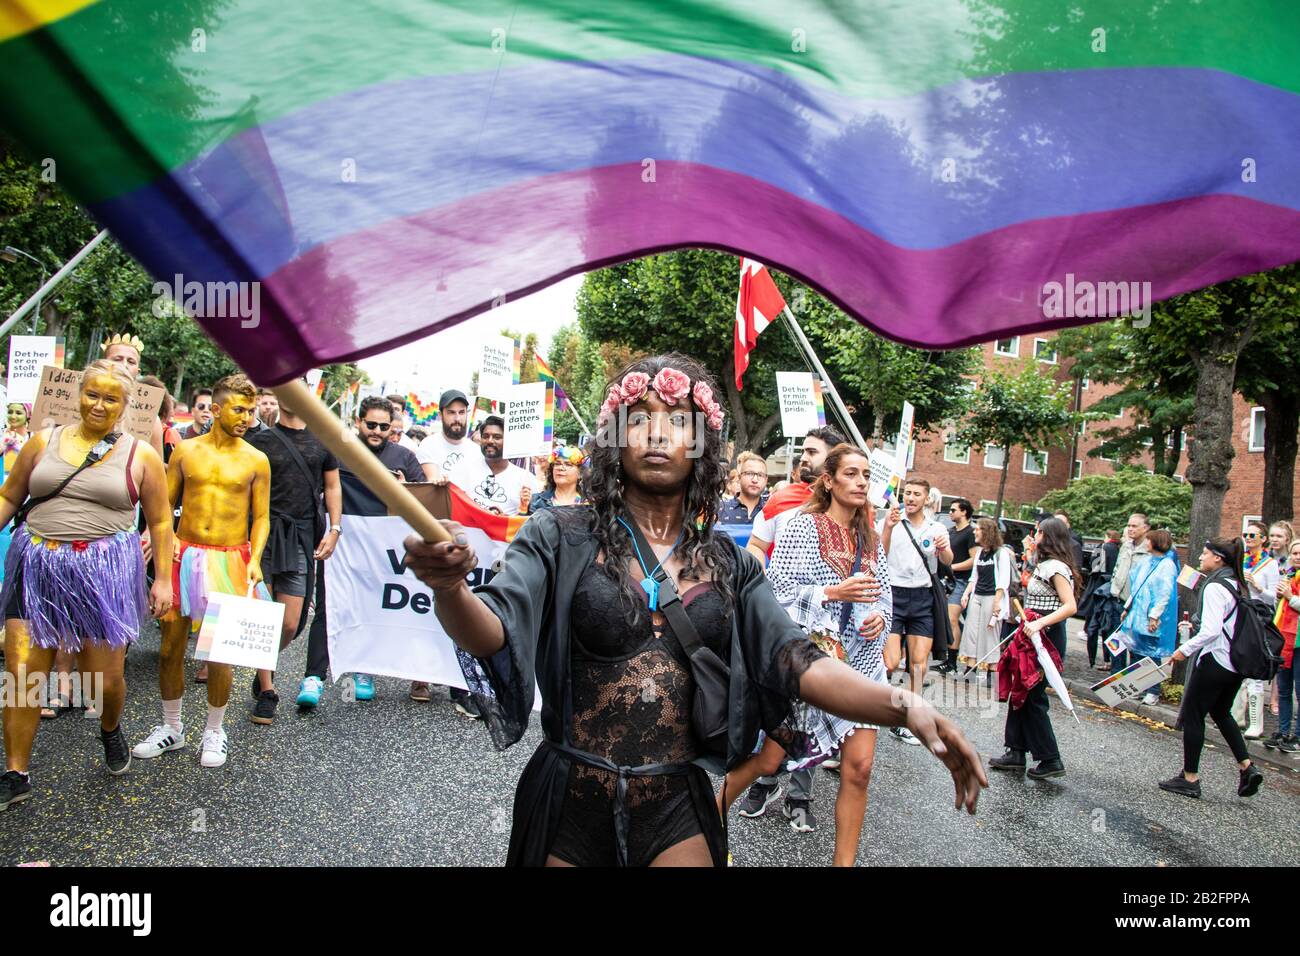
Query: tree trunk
pixel 764 429
pixel 1210 457
pixel 1158 449
pixel 737 413
pixel 1175 452
pixel 1281 424
pixel 180 380
pixel 1002 483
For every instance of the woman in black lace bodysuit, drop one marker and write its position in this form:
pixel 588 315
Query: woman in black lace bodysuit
pixel 620 778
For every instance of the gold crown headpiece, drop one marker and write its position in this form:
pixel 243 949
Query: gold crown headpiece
pixel 120 339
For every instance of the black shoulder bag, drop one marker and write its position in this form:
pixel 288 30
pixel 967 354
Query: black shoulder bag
pixel 306 473
pixel 97 453
pixel 943 636
pixel 712 675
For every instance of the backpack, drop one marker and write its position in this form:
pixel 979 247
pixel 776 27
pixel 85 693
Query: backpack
pixel 1256 647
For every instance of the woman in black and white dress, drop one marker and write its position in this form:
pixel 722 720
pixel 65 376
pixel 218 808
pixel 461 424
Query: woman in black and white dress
pixel 985 601
pixel 1052 591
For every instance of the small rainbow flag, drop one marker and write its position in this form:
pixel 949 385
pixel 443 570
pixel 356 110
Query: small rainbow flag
pixel 550 413
pixel 821 402
pixel 182 420
pixel 1189 577
pixel 59 352
pixel 420 411
pixel 544 374
pixel 516 365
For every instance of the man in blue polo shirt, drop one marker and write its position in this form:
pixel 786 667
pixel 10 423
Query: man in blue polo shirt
pixel 744 508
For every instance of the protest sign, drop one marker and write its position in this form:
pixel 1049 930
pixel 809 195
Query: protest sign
pixel 1131 682
pixel 28 354
pixel 886 486
pixel 498 370
pixel 241 631
pixel 57 403
pixel 904 441
pixel 801 408
pixel 526 425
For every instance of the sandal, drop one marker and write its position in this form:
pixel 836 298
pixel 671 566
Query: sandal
pixel 201 676
pixel 62 706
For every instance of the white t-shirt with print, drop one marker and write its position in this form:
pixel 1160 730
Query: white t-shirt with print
pixel 906 569
pixel 494 491
pixel 436 450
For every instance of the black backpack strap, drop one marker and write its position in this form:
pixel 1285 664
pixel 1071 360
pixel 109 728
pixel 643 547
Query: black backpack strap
pixel 93 456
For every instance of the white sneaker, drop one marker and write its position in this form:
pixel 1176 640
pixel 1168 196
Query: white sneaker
pixel 905 735
pixel 160 740
pixel 214 748
pixel 1150 699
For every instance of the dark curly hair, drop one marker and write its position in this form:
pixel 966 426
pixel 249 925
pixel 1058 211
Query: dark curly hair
pixel 602 488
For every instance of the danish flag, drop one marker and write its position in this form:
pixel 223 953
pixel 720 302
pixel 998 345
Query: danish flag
pixel 759 303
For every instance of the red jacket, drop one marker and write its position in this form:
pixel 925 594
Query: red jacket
pixel 1018 669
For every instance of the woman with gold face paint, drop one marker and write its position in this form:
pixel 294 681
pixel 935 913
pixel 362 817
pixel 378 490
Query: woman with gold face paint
pixel 17 417
pixel 74 576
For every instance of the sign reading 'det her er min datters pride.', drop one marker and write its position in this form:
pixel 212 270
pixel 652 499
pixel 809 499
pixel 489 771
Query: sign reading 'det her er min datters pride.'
pixel 798 403
pixel 526 421
pixel 58 403
pixel 27 355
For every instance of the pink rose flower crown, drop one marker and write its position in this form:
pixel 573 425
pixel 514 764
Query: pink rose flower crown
pixel 671 386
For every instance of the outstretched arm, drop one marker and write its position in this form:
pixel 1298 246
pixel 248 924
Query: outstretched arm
pixel 838 689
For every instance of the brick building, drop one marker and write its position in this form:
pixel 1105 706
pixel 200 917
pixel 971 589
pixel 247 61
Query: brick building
pixel 957 471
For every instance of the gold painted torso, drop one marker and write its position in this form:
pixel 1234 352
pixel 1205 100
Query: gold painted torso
pixel 216 494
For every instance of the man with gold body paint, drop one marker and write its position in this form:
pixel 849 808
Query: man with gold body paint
pixel 224 486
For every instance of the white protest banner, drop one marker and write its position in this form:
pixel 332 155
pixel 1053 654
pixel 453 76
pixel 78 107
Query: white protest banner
pixel 28 354
pixel 1133 681
pixel 58 403
pixel 904 440
pixel 798 403
pixel 381 618
pixel 526 421
pixel 886 485
pixel 242 631
pixel 498 368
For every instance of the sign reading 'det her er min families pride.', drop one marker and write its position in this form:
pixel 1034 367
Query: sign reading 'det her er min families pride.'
pixel 526 421
pixel 58 403
pixel 799 397
pixel 497 372
pixel 28 354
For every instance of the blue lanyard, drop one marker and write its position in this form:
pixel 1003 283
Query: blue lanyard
pixel 649 584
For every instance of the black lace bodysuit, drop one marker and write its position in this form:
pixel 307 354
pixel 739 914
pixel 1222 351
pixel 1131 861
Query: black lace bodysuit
pixel 632 692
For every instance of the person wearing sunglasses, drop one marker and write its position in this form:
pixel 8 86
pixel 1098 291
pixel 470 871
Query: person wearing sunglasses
pixel 374 422
pixel 1261 573
pixel 201 409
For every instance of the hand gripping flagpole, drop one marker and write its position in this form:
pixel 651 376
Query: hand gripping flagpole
pixel 347 448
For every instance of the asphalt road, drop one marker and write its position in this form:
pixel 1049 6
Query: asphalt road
pixel 391 782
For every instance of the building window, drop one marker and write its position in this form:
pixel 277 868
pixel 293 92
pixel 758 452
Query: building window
pixel 1083 428
pixel 1247 519
pixel 1084 384
pixel 988 507
pixel 1256 442
pixel 1035 464
pixel 994 457
pixel 1045 351
pixel 1078 469
pixel 1008 347
pixel 955 452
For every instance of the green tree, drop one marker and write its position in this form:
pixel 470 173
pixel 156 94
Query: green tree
pixel 1102 502
pixel 1268 375
pixel 1157 389
pixel 685 301
pixel 1025 410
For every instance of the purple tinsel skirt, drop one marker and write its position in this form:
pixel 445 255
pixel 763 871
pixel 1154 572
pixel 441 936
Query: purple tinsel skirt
pixel 77 591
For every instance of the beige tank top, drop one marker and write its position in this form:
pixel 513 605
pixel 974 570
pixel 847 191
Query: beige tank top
pixel 98 502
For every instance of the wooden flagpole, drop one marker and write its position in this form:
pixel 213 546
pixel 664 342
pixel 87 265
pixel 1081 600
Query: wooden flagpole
pixel 342 441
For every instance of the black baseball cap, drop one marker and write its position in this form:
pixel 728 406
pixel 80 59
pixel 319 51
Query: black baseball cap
pixel 452 395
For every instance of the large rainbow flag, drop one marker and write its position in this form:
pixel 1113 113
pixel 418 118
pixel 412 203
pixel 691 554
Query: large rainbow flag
pixel 386 169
